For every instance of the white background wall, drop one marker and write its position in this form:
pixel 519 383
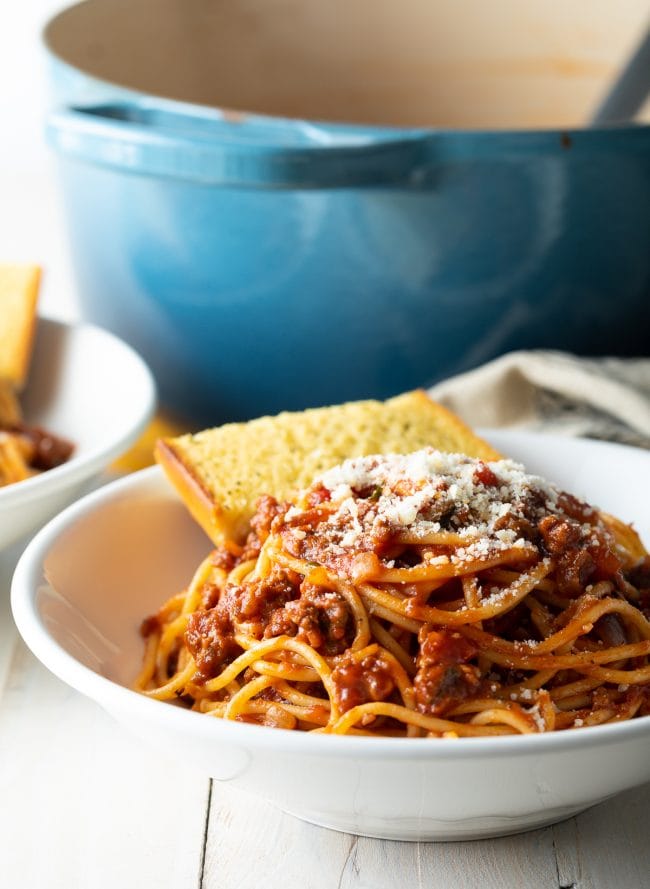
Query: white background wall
pixel 31 227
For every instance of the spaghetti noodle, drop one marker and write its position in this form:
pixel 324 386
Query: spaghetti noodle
pixel 427 594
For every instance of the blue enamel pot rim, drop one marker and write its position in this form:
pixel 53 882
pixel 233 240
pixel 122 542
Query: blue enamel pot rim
pixel 165 138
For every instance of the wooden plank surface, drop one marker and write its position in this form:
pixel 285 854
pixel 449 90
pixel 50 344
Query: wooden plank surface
pixel 85 806
pixel 249 839
pixel 82 805
pixel 607 847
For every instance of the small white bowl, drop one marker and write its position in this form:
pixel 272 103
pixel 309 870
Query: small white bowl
pixel 89 387
pixel 86 581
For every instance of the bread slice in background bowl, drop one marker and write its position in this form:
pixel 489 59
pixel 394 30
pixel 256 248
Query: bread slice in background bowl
pixel 19 286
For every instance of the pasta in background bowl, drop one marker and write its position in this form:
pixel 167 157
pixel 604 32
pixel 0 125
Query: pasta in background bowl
pixel 84 626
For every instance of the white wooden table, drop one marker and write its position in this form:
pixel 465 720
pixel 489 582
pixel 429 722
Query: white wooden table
pixel 85 806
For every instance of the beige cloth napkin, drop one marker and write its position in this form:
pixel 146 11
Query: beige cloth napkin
pixel 606 398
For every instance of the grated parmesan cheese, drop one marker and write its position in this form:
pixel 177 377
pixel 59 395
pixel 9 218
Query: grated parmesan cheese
pixel 538 719
pixel 429 491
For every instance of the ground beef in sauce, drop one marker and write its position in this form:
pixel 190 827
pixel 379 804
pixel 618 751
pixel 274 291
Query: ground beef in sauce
pixel 575 508
pixel 522 527
pixel 558 534
pixel 318 494
pixel 485 476
pixel 361 682
pixel 255 600
pixel 443 677
pixel 574 569
pixel 223 558
pixel 209 634
pixel 267 510
pixel 303 538
pixel 49 450
pixel 320 617
pixel 576 564
pixel 210 642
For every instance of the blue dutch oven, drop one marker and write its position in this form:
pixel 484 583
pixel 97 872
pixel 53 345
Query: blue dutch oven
pixel 262 263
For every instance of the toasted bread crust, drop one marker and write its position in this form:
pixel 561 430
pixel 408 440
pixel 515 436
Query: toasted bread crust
pixel 10 410
pixel 219 473
pixel 190 486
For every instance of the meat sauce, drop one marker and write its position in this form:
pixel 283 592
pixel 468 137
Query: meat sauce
pixel 45 450
pixel 444 672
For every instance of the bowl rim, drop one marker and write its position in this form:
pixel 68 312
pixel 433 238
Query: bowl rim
pixel 120 700
pixel 83 465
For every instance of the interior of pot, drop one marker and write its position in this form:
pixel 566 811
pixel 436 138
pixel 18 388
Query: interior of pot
pixel 504 64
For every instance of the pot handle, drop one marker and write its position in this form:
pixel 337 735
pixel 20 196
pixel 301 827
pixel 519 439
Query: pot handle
pixel 211 148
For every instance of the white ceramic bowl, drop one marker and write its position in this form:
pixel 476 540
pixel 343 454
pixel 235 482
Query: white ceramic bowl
pixel 91 388
pixel 88 578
